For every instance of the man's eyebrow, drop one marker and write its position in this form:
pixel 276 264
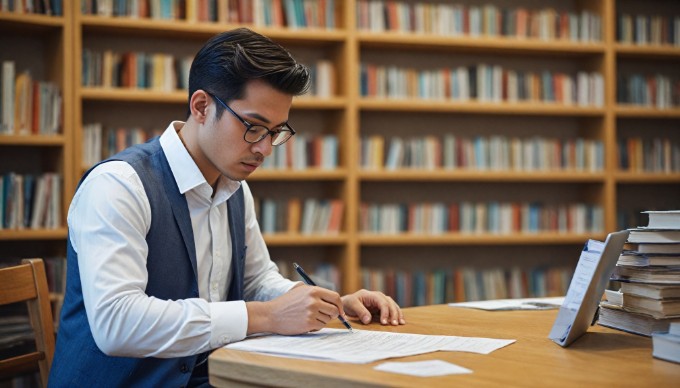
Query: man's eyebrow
pixel 259 117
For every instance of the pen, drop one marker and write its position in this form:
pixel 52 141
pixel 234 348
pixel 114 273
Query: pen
pixel 310 282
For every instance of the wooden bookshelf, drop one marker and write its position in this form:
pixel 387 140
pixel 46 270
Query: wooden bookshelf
pixel 50 59
pixel 42 45
pixel 645 122
pixel 350 116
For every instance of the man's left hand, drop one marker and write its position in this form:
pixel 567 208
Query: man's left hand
pixel 365 305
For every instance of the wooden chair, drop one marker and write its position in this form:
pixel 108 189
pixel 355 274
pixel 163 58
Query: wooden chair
pixel 28 283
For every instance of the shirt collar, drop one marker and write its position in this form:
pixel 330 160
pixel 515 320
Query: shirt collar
pixel 184 169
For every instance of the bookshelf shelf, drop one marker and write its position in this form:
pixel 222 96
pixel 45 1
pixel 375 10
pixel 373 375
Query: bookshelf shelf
pixel 409 41
pixel 647 51
pixel 32 140
pixel 520 108
pixel 180 97
pixel 474 239
pixel 479 176
pixel 33 234
pixel 647 177
pixel 635 111
pixel 319 103
pixel 310 174
pixel 132 95
pixel 34 22
pixel 297 239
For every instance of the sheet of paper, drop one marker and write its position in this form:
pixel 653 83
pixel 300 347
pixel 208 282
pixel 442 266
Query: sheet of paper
pixel 363 346
pixel 514 304
pixel 428 368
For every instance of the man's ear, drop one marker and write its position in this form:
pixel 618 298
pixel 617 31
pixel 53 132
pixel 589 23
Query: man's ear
pixel 198 105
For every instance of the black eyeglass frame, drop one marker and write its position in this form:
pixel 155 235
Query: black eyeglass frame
pixel 283 129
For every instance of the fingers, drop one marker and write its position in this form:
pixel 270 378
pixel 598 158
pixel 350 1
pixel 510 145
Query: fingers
pixel 333 302
pixel 390 312
pixel 357 309
pixel 327 305
pixel 364 303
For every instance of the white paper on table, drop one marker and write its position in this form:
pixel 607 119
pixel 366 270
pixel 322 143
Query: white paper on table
pixel 514 304
pixel 427 368
pixel 364 346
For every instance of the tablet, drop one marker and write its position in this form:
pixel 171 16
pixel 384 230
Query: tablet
pixel 594 268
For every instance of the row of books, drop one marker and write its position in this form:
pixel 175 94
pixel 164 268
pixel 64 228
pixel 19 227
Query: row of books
pixel 484 83
pixel 43 7
pixel 438 286
pixel 283 13
pixel 648 270
pixel 267 13
pixel 480 218
pixel 303 151
pixel 28 106
pixel 649 155
pixel 658 91
pixel 153 9
pixel 309 216
pixel 299 153
pixel 100 143
pixel 165 72
pixel 499 153
pixel 422 287
pixel 30 201
pixel 478 20
pixel 648 29
pixel 156 71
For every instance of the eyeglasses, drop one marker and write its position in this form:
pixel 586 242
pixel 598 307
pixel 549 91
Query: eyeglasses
pixel 255 133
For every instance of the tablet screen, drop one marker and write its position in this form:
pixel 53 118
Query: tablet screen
pixel 592 273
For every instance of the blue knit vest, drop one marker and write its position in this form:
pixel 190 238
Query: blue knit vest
pixel 171 265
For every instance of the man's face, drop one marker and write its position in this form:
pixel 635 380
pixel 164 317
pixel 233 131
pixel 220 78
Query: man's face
pixel 221 141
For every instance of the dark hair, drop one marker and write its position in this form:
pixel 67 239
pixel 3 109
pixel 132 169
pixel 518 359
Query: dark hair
pixel 229 60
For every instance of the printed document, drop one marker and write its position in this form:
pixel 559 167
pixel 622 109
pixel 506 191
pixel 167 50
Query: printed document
pixel 514 304
pixel 364 346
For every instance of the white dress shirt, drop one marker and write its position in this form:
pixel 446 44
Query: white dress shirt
pixel 108 221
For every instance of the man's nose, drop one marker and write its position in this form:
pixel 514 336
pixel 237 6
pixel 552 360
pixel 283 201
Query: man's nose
pixel 263 146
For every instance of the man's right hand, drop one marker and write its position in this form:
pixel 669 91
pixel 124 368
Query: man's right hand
pixel 300 310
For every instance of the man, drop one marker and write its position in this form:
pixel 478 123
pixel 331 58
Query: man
pixel 165 258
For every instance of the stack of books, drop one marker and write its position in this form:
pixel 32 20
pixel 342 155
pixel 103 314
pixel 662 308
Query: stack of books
pixel 666 345
pixel 649 271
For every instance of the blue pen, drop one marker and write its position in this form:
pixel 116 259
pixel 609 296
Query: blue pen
pixel 309 281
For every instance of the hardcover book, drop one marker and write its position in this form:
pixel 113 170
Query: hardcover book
pixel 616 317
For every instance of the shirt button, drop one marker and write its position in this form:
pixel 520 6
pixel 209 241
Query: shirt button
pixel 214 286
pixel 183 368
pixel 225 339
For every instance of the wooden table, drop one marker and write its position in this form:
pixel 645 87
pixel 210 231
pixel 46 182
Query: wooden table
pixel 601 358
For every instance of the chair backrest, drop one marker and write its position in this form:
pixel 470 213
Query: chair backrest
pixel 28 283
